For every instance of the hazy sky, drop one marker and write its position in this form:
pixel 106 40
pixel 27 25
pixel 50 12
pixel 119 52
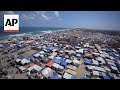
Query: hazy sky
pixel 83 19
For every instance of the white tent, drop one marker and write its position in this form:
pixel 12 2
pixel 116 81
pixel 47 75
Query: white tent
pixel 68 61
pixel 58 66
pixel 24 61
pixel 18 60
pixel 67 76
pixel 47 72
pixel 76 61
pixel 100 69
pixel 72 67
pixel 95 73
pixel 111 63
pixel 114 68
pixel 37 55
pixel 95 62
pixel 41 52
pixel 21 68
pixel 37 68
pixel 90 67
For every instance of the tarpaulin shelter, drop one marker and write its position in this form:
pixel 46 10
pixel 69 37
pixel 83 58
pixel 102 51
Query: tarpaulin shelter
pixel 70 71
pixel 56 60
pixel 30 58
pixel 88 62
pixel 73 77
pixel 116 58
pixel 55 76
pixel 49 64
pixel 63 63
pixel 106 77
pixel 49 48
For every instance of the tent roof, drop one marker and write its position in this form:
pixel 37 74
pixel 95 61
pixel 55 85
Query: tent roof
pixel 106 77
pixel 96 73
pixel 70 71
pixel 55 76
pixel 88 62
pixel 64 63
pixel 56 60
pixel 50 63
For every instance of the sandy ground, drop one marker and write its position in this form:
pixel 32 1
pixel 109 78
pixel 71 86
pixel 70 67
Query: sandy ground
pixel 81 71
pixel 29 53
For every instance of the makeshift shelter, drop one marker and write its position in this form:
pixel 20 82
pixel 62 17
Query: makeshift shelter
pixel 95 62
pixel 47 72
pixel 116 58
pixel 71 67
pixel 106 77
pixel 41 52
pixel 22 68
pixel 67 75
pixel 95 73
pixel 71 71
pixel 18 60
pixel 50 64
pixel 89 67
pixel 37 68
pixel 24 61
pixel 63 63
pixel 37 55
pixel 114 68
pixel 55 76
pixel 88 62
pixel 68 61
pixel 73 77
pixel 49 48
pixel 56 60
pixel 31 58
pixel 57 66
pixel 100 69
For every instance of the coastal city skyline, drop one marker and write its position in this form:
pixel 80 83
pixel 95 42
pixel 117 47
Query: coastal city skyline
pixel 106 20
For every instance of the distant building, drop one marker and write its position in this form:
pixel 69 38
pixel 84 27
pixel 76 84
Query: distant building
pixel 74 39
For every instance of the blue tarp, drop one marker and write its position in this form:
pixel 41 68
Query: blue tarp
pixel 20 45
pixel 106 77
pixel 55 76
pixel 64 63
pixel 21 56
pixel 85 78
pixel 116 58
pixel 88 62
pixel 49 48
pixel 56 60
pixel 73 77
pixel 62 59
pixel 30 58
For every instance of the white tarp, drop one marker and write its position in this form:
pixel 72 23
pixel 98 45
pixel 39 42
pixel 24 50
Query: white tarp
pixel 111 63
pixel 95 62
pixel 114 68
pixel 58 66
pixel 18 60
pixel 21 68
pixel 47 72
pixel 90 67
pixel 100 69
pixel 24 61
pixel 72 67
pixel 68 61
pixel 38 68
pixel 37 55
pixel 96 73
pixel 76 61
pixel 67 76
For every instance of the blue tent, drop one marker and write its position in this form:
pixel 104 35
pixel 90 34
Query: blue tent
pixel 21 56
pixel 56 60
pixel 106 77
pixel 116 58
pixel 73 77
pixel 55 76
pixel 64 63
pixel 30 58
pixel 88 62
pixel 49 48
pixel 85 78
pixel 62 59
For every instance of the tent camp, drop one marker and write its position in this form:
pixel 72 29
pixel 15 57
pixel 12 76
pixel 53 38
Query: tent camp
pixel 21 68
pixel 95 62
pixel 95 73
pixel 37 55
pixel 99 69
